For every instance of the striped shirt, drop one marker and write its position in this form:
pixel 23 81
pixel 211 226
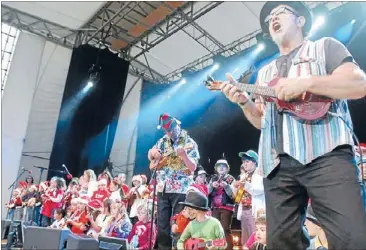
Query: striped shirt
pixel 303 140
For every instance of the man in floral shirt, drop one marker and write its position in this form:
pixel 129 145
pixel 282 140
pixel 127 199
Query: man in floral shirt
pixel 181 157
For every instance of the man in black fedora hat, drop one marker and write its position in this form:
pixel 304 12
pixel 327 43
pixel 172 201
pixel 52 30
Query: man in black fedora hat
pixel 306 158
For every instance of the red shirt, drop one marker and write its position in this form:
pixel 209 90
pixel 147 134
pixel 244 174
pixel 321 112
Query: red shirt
pixel 181 221
pixel 125 189
pixel 17 201
pixel 140 235
pixel 79 219
pixel 246 200
pixel 49 206
pixel 100 195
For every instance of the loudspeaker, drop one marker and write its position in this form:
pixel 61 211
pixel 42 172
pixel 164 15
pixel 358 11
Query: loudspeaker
pixel 75 242
pixel 44 238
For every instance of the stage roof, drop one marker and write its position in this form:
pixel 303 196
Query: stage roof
pixel 161 39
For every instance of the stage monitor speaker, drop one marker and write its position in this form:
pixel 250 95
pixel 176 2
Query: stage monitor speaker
pixel 111 243
pixel 75 242
pixel 44 238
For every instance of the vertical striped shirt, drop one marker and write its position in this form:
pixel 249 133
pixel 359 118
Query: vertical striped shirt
pixel 303 140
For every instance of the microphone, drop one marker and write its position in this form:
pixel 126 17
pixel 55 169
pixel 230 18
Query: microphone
pixel 26 170
pixel 68 175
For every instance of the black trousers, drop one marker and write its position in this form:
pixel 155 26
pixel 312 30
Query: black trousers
pixel 168 205
pixel 331 183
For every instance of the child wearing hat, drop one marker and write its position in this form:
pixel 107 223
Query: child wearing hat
pixel 202 226
pixel 16 201
pixel 253 198
pixel 181 220
pixel 135 196
pixel 101 193
pixel 221 195
pixel 79 219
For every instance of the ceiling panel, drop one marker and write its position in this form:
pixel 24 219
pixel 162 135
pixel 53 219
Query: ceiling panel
pixel 70 14
pixel 178 50
pixel 229 21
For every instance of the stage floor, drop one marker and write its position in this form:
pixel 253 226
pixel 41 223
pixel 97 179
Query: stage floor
pixel 3 244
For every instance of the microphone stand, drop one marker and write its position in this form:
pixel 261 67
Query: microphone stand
pixel 47 169
pixel 153 178
pixel 41 169
pixel 13 185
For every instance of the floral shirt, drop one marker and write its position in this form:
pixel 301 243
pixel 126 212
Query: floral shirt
pixel 175 177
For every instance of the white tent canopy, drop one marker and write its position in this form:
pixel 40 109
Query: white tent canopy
pixel 157 37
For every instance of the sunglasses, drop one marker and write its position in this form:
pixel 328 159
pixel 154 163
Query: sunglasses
pixel 280 11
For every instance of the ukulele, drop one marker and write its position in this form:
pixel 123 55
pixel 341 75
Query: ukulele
pixel 200 244
pixel 241 190
pixel 308 107
pixel 163 161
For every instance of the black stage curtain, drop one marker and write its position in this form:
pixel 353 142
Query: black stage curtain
pixel 88 119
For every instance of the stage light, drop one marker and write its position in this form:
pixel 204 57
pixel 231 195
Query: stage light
pixel 236 239
pixel 216 67
pixel 183 81
pixel 90 84
pixel 353 21
pixel 318 23
pixel 261 46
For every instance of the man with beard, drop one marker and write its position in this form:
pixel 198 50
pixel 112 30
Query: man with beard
pixel 177 154
pixel 304 158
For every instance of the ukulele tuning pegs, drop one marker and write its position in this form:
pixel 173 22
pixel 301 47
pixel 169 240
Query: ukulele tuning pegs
pixel 209 80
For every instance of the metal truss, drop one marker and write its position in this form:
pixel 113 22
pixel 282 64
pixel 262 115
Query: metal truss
pixel 233 48
pixel 230 49
pixel 199 34
pixel 115 18
pixel 71 38
pixel 38 26
pixel 178 20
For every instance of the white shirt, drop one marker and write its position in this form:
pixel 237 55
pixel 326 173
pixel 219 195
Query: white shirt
pixel 57 223
pixel 256 190
pixel 137 202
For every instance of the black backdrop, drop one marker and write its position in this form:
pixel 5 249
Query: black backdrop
pixel 87 122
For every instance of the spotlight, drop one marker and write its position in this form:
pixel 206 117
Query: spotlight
pixel 183 81
pixel 90 84
pixel 353 21
pixel 236 238
pixel 261 46
pixel 318 22
pixel 216 66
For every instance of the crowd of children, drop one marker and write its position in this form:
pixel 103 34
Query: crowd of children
pixel 91 206
pixel 106 206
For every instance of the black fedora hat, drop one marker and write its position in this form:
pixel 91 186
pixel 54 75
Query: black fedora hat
pixel 196 200
pixel 300 7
